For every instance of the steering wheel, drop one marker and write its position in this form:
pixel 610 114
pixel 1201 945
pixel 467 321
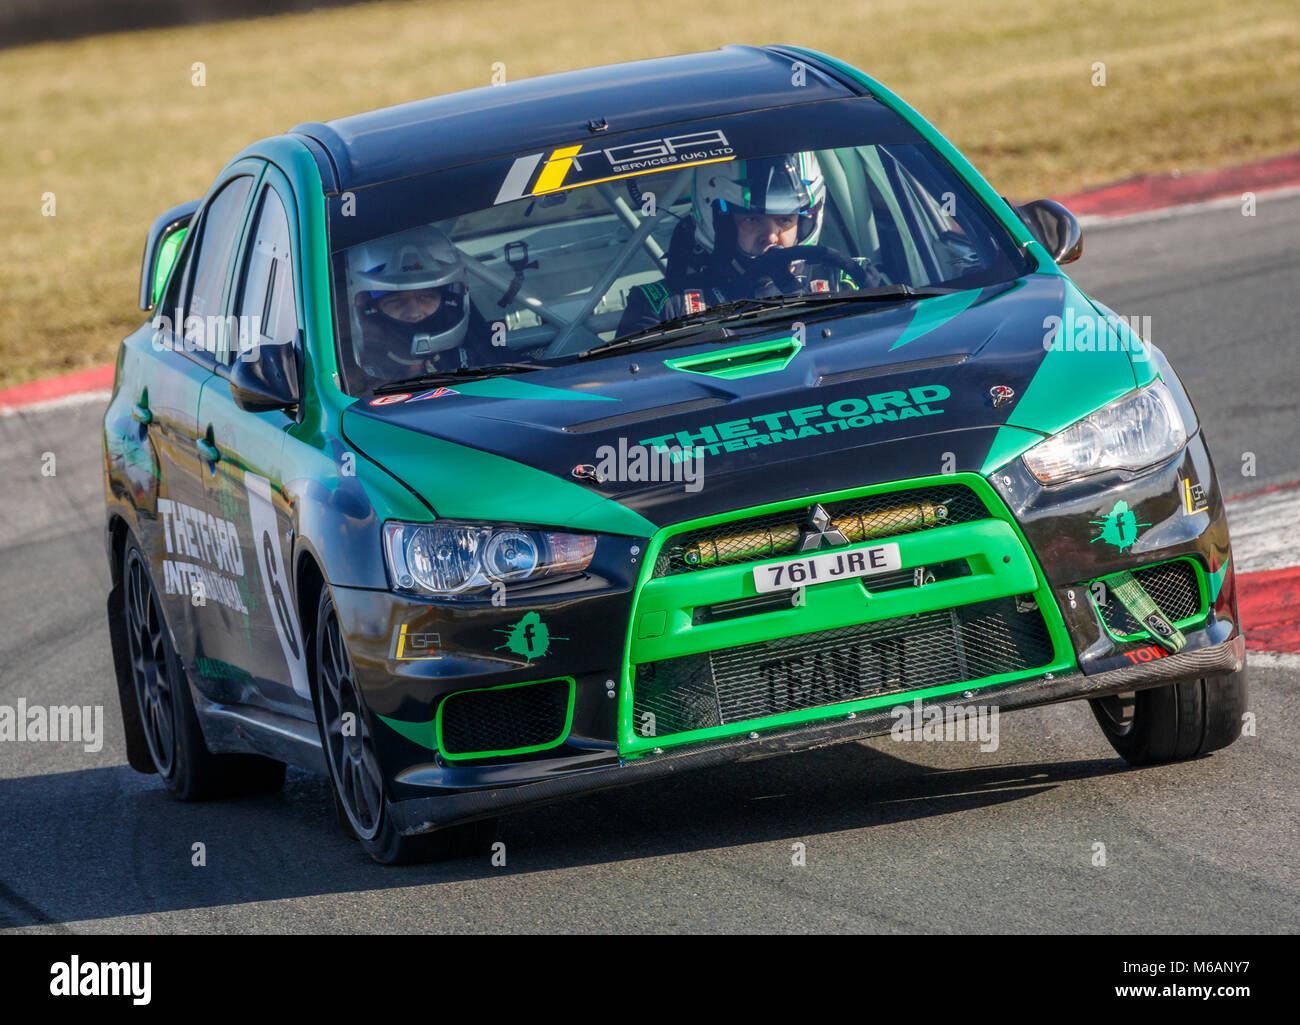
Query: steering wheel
pixel 774 266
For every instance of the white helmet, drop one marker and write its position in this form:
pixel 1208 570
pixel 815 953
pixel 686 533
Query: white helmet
pixel 417 258
pixel 789 184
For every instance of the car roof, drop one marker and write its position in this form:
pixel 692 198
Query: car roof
pixel 477 124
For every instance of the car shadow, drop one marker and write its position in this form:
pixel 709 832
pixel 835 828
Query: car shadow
pixel 109 842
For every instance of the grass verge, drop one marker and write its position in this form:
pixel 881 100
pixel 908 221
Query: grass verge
pixel 115 129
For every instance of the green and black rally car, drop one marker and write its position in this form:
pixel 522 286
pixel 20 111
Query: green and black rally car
pixel 547 437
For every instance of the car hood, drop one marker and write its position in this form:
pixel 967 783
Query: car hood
pixel 873 394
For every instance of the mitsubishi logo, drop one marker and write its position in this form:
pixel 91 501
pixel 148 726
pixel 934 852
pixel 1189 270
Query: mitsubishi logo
pixel 820 528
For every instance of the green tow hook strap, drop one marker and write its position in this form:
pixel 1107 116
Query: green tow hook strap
pixel 1142 607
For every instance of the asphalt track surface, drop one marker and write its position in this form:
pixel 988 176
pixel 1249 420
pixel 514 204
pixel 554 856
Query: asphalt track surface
pixel 899 837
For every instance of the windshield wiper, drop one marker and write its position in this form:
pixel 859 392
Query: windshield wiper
pixel 677 326
pixel 454 374
pixel 661 334
pixel 883 294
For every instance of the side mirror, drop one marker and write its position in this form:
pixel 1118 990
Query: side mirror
pixel 160 248
pixel 270 381
pixel 1055 227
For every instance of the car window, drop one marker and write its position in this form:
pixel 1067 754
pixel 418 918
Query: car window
pixel 173 298
pixel 266 308
pixel 540 257
pixel 205 276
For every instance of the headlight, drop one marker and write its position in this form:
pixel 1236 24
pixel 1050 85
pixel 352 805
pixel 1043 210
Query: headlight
pixel 1130 433
pixel 459 559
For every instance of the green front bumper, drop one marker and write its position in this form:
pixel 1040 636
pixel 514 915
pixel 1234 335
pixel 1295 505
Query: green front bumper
pixel 664 624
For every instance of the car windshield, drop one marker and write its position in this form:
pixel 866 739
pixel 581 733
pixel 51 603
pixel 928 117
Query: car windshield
pixel 531 260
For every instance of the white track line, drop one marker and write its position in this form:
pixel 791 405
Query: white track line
pixel 1273 660
pixel 1179 209
pixel 62 402
pixel 1265 530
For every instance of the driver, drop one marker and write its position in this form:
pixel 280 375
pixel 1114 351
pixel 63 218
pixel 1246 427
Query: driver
pixel 412 300
pixel 742 210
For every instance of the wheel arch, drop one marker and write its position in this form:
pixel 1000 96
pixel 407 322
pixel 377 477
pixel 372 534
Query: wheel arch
pixel 137 747
pixel 118 530
pixel 308 583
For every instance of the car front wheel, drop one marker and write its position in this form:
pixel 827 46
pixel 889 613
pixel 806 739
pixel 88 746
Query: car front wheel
pixel 1174 722
pixel 360 795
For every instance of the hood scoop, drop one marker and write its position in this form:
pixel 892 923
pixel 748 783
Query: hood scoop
pixel 739 361
pixel 606 423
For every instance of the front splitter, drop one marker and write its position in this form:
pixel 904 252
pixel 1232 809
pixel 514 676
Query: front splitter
pixel 422 814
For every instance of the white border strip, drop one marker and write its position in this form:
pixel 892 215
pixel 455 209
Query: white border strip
pixel 1272 659
pixel 1264 529
pixel 1165 212
pixel 62 402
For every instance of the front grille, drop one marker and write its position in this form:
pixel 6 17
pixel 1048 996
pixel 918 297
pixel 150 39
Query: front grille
pixel 755 538
pixel 1172 586
pixel 504 719
pixel 830 666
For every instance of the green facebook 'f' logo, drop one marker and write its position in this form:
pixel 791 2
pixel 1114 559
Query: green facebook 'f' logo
pixel 529 637
pixel 1119 527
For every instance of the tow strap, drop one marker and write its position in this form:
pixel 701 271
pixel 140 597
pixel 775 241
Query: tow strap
pixel 1142 607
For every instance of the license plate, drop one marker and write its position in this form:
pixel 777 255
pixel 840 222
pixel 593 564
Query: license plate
pixel 818 569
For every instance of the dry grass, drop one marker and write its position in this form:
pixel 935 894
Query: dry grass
pixel 114 128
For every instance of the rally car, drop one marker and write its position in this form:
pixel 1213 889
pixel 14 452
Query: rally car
pixel 547 437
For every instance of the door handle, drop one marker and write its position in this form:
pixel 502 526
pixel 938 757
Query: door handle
pixel 207 450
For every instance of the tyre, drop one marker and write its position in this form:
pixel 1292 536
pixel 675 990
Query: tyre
pixel 162 692
pixel 360 794
pixel 1178 721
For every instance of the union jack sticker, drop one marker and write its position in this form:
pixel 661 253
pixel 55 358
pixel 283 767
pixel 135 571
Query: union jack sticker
pixel 436 393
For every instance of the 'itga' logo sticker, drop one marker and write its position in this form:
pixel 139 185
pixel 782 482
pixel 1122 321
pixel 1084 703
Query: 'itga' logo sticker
pixel 1194 500
pixel 388 400
pixel 1119 527
pixel 529 637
